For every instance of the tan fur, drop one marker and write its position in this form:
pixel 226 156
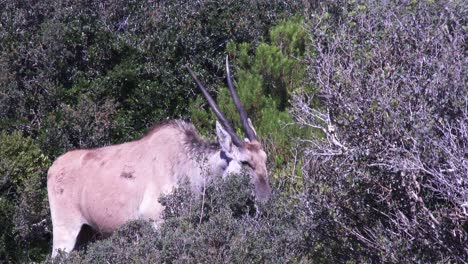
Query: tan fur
pixel 109 186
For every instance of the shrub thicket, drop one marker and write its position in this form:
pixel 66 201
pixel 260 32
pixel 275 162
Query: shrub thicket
pixel 222 225
pixel 24 213
pixel 389 183
pixel 89 73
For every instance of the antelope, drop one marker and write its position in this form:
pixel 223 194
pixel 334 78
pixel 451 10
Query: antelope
pixel 108 186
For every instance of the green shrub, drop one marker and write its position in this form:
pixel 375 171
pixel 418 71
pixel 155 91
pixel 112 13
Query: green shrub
pixel 266 77
pixel 59 55
pixel 389 183
pixel 221 225
pixel 23 204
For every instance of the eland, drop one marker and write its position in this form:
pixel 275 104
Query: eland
pixel 108 186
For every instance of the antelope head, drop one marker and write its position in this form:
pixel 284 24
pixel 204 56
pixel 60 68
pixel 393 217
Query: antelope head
pixel 239 154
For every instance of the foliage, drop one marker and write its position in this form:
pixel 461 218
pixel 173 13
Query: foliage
pixel 23 205
pixel 120 64
pixel 267 76
pixel 223 226
pixel 389 183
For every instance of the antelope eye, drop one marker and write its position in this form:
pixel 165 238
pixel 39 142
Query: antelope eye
pixel 246 163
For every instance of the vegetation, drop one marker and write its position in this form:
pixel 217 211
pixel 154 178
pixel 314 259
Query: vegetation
pixel 24 209
pixel 389 181
pixel 361 106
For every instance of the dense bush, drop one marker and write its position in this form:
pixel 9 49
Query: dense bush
pixel 222 225
pixel 120 65
pixel 24 214
pixel 390 180
pixel 266 76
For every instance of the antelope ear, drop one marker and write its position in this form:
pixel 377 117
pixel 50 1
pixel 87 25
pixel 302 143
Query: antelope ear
pixel 224 139
pixel 251 126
